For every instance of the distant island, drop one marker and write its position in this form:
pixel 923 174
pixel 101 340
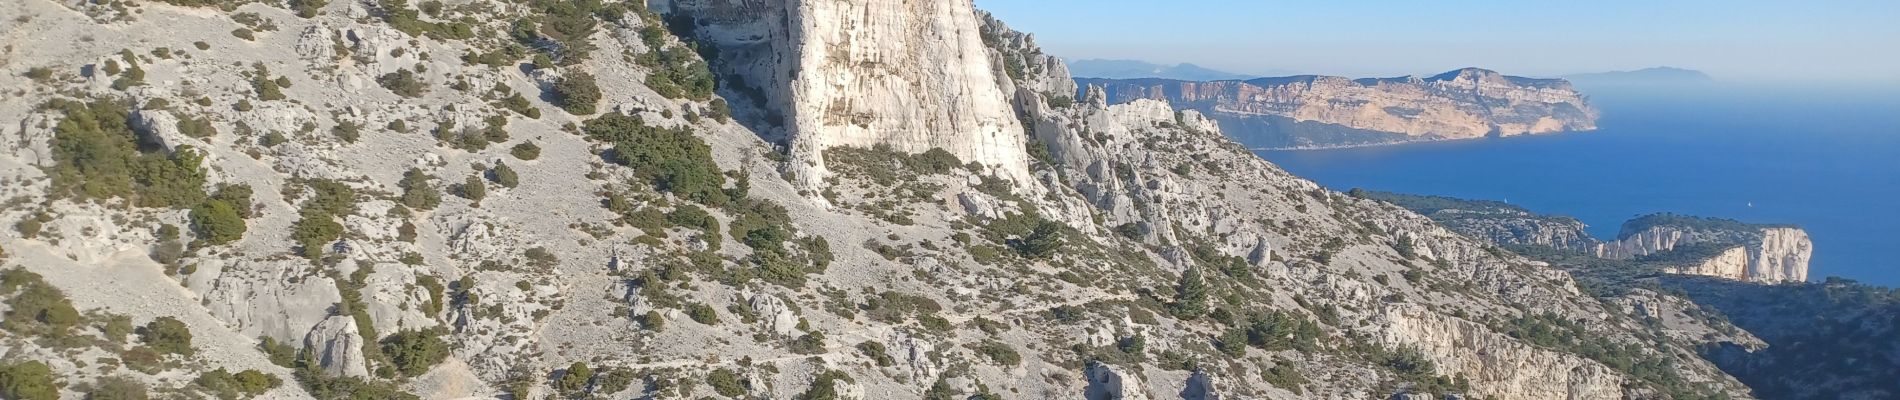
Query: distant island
pixel 1134 69
pixel 1315 111
pixel 1646 76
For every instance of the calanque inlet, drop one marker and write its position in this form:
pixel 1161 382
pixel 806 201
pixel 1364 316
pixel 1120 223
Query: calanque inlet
pixel 808 199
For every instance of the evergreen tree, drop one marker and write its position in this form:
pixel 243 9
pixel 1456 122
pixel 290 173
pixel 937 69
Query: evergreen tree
pixel 1190 295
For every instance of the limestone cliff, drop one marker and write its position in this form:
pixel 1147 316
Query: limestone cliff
pixel 1765 254
pixel 1327 111
pixel 914 76
pixel 1675 244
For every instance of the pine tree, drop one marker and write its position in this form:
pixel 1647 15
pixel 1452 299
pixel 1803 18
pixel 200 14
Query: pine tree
pixel 1190 295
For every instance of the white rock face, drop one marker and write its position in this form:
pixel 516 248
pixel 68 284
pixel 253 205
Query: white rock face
pixel 774 315
pixel 1497 365
pixel 1730 264
pixel 1765 255
pixel 911 75
pixel 1107 383
pixel 1200 386
pixel 338 347
pixel 1782 257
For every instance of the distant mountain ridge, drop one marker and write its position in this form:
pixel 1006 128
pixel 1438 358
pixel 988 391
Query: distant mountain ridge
pixel 1317 111
pixel 1133 69
pixel 1645 76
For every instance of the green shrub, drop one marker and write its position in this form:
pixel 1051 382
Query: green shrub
pixel 1041 242
pixel 474 188
pixel 825 386
pixel 703 314
pixel 574 379
pixel 678 73
pixel 1190 295
pixel 674 161
pixel 691 216
pixel 273 139
pixel 29 227
pixel 403 83
pixel 414 352
pixel 98 157
pixel 577 93
pixel 1285 376
pixel 527 151
pixel 116 328
pixel 331 197
pixel 721 111
pixel 314 230
pixel 280 353
pixel 1001 353
pixel 117 388
pixel 223 384
pixel 877 352
pixel 196 127
pixel 504 175
pixel 653 321
pixel 267 89
pixel 348 131
pixel 30 380
pixel 39 74
pixel 1232 342
pixel 520 105
pixel 417 192
pixel 167 335
pixel 809 343
pixel 244 33
pixel 36 308
pixel 727 383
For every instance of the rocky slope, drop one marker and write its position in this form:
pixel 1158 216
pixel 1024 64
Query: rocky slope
pixel 385 200
pixel 1328 111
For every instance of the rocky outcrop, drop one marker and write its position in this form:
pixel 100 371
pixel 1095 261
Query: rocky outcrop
pixel 1728 264
pixel 1105 382
pixel 914 76
pixel 1759 253
pixel 1497 365
pixel 337 347
pixel 1200 386
pixel 1327 111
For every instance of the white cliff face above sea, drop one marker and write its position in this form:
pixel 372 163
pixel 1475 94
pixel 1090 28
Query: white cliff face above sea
pixel 1327 111
pixel 1677 244
pixel 1761 255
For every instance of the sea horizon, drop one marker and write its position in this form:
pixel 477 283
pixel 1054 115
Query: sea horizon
pixel 1825 158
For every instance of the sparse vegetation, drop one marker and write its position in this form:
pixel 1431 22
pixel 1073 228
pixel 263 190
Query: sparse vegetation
pixel 418 191
pixel 526 151
pixel 404 83
pixel 577 93
pixel 28 380
pixel 415 352
pixel 673 160
pixel 167 335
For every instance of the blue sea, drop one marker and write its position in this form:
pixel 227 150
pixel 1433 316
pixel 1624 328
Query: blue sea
pixel 1825 159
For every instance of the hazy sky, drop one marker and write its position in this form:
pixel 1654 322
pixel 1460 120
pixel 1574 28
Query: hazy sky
pixel 1737 40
